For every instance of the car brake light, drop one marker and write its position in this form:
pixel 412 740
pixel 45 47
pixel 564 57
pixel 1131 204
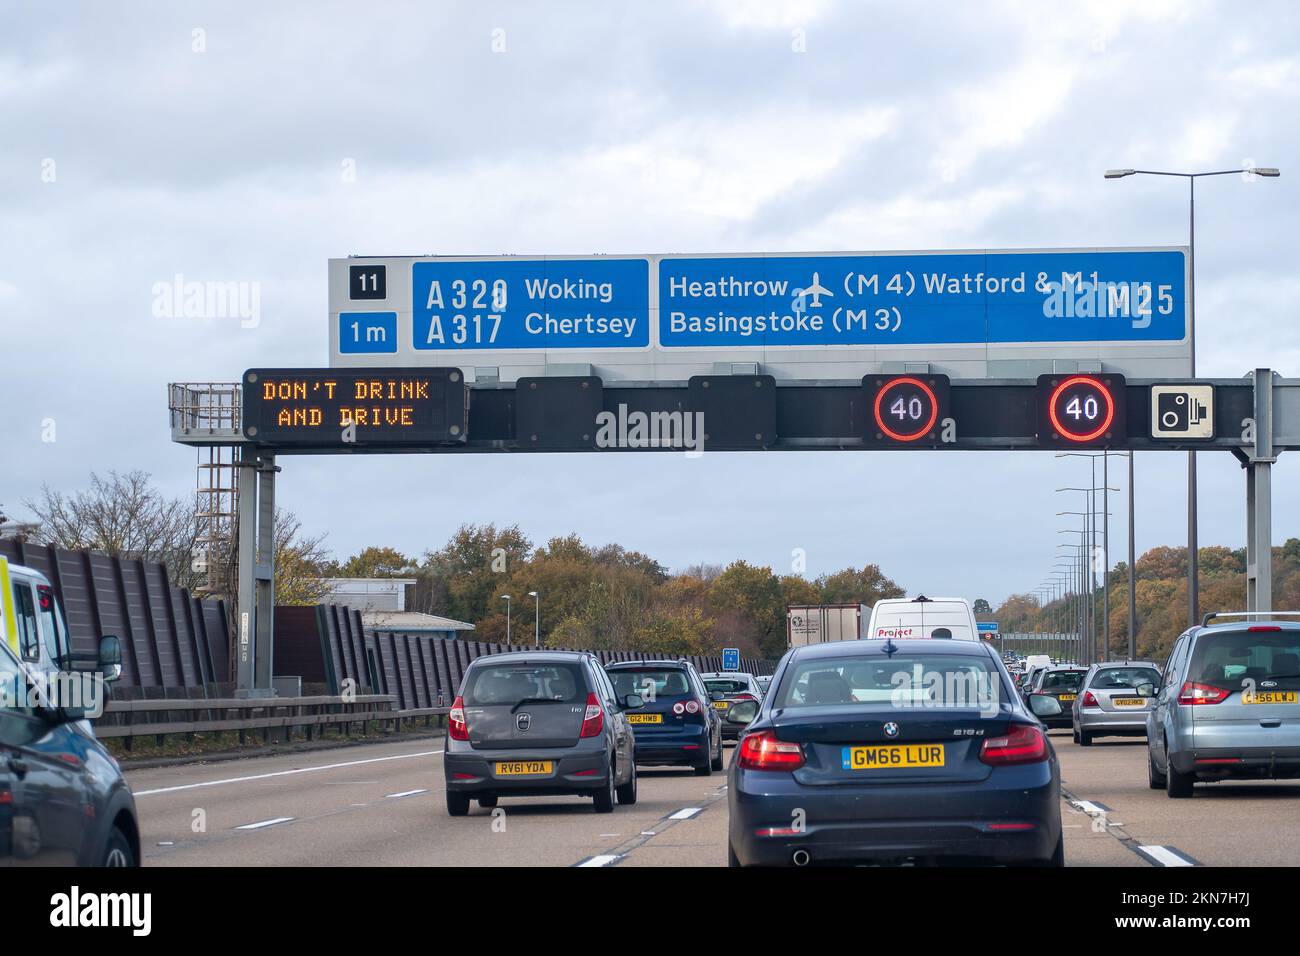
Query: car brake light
pixel 1089 700
pixel 679 708
pixel 762 751
pixel 740 697
pixel 1194 693
pixel 593 718
pixel 1025 744
pixel 457 729
pixel 692 707
pixel 1264 627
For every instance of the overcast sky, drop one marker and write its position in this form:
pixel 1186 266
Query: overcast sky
pixel 251 142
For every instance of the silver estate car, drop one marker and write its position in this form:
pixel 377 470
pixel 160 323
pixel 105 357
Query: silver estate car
pixel 1109 704
pixel 1228 706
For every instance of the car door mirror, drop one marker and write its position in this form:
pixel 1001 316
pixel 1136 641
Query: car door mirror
pixel 743 712
pixel 1146 689
pixel 1044 706
pixel 717 695
pixel 110 657
pixel 633 702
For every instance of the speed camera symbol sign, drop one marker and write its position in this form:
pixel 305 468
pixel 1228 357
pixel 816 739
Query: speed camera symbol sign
pixel 1182 411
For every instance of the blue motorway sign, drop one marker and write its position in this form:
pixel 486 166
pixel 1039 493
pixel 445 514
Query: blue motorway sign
pixel 929 298
pixel 490 304
pixel 731 658
pixel 986 627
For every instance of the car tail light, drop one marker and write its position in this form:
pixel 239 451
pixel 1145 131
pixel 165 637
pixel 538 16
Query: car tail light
pixel 1025 744
pixel 679 708
pixel 762 751
pixel 692 707
pixel 1089 700
pixel 1264 627
pixel 457 729
pixel 739 697
pixel 1194 693
pixel 593 718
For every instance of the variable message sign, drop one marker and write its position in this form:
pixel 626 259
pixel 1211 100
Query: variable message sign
pixel 335 409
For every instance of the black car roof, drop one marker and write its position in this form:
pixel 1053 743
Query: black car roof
pixel 833 649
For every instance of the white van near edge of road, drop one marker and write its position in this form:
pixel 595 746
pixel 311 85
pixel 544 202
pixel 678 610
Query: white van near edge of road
pixel 908 618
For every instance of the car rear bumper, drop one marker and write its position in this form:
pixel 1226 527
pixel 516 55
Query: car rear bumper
pixel 1239 763
pixel 689 747
pixel 1012 816
pixel 1097 721
pixel 571 773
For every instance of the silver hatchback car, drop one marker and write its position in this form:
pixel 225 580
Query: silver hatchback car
pixel 1109 704
pixel 1228 706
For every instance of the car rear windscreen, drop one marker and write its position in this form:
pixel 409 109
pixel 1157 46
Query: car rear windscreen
pixel 1062 680
pixel 1120 678
pixel 1229 657
pixel 727 686
pixel 512 683
pixel 650 683
pixel 935 680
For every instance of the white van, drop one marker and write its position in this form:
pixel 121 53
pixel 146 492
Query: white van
pixel 908 618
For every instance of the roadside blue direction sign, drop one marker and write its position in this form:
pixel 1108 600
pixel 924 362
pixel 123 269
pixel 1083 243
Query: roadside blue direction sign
pixel 731 658
pixel 493 304
pixel 986 627
pixel 913 299
pixel 974 314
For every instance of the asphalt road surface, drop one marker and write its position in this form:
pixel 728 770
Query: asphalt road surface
pixel 382 804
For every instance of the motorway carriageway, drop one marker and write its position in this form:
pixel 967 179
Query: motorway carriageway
pixel 382 804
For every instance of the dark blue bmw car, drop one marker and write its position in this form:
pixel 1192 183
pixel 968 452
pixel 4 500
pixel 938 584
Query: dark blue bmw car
pixel 893 751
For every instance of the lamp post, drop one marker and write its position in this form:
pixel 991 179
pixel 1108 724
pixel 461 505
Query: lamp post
pixel 506 598
pixel 1268 172
pixel 537 617
pixel 1081 553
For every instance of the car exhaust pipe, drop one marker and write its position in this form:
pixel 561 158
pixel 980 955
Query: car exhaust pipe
pixel 801 858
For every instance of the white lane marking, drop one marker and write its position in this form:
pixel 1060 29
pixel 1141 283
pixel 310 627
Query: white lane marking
pixel 647 833
pixel 605 859
pixel 405 793
pixel 686 813
pixel 281 773
pixel 1166 856
pixel 264 823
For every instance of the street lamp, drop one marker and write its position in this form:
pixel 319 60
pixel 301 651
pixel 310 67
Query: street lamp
pixel 506 598
pixel 1267 172
pixel 537 617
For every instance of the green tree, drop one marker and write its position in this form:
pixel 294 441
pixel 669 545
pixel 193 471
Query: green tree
pixel 373 562
pixel 753 594
pixel 866 585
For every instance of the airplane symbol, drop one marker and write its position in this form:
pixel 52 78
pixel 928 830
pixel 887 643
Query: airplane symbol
pixel 816 289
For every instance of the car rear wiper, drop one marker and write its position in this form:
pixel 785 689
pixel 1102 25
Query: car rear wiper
pixel 1278 676
pixel 536 700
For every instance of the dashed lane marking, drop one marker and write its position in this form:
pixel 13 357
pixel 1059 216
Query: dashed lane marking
pixel 264 823
pixel 1167 856
pixel 281 773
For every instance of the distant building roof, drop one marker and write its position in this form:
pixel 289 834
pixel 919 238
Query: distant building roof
pixel 369 594
pixel 411 622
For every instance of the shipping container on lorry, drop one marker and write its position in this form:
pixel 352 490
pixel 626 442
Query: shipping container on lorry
pixel 819 623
